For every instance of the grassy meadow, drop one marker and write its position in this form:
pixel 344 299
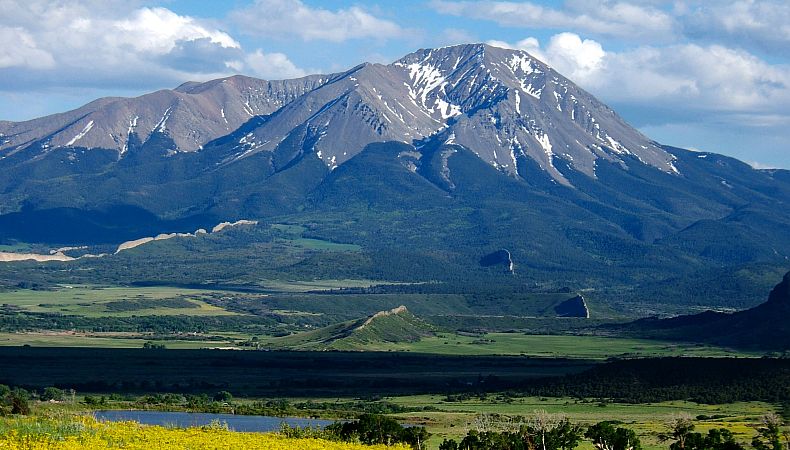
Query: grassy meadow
pixel 108 340
pixel 454 418
pixel 113 301
pixel 551 346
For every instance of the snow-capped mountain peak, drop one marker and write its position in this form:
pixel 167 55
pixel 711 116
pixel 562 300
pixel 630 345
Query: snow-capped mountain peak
pixel 506 106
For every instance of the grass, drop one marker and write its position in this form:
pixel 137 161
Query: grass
pixel 91 301
pixel 318 244
pixel 455 418
pixel 103 340
pixel 289 229
pixel 16 248
pixel 586 347
pixel 296 286
pixel 292 235
pixel 385 326
pixel 548 346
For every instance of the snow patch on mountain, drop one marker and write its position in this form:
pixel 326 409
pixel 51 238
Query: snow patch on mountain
pixel 81 134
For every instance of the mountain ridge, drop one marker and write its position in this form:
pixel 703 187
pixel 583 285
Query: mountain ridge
pixel 200 111
pixel 487 94
pixel 759 327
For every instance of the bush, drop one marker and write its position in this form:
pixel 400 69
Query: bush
pixel 20 401
pixel 223 396
pixel 374 429
pixel 53 394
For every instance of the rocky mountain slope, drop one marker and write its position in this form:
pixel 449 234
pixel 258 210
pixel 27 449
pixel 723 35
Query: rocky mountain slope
pixel 503 104
pixel 190 115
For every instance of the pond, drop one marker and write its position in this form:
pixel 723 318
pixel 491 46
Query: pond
pixel 184 419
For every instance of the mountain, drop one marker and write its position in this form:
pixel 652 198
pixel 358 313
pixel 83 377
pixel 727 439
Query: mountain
pixel 762 327
pixel 190 115
pixel 391 326
pixel 427 164
pixel 502 104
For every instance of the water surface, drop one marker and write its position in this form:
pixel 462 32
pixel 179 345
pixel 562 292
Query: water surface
pixel 184 419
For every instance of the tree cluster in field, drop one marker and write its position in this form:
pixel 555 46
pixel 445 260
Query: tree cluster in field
pixel 17 400
pixel 15 319
pixel 548 432
pixel 369 429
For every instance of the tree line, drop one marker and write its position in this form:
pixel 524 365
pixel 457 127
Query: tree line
pixel 550 432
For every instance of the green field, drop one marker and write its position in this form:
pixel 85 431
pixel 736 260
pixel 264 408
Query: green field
pixel 97 301
pixel 587 347
pixel 16 248
pixel 294 286
pixel 582 347
pixel 104 340
pixel 318 244
pixel 454 419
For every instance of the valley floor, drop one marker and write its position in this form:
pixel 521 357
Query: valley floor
pixel 459 344
pixel 444 416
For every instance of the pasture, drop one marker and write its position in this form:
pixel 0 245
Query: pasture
pixel 551 346
pixel 454 418
pixel 113 301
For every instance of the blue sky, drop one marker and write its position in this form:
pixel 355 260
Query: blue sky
pixel 708 75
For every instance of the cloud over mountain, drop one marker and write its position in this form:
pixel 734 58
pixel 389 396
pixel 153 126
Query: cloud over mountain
pixel 280 18
pixel 119 44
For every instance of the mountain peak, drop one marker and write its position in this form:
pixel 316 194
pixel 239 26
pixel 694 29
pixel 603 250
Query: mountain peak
pixel 512 110
pixel 513 106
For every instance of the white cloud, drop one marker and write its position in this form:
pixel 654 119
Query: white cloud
pixel 762 25
pixel 755 25
pixel 604 17
pixel 760 166
pixel 279 18
pixel 454 36
pixel 157 30
pixel 710 77
pixel 566 52
pixel 530 45
pixel 19 49
pixel 578 58
pixel 272 66
pixel 117 45
pixel 688 76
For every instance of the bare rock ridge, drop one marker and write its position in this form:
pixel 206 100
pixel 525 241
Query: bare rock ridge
pixel 504 105
pixel 398 310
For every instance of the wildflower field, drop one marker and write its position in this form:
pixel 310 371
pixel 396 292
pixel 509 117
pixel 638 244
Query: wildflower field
pixel 82 432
